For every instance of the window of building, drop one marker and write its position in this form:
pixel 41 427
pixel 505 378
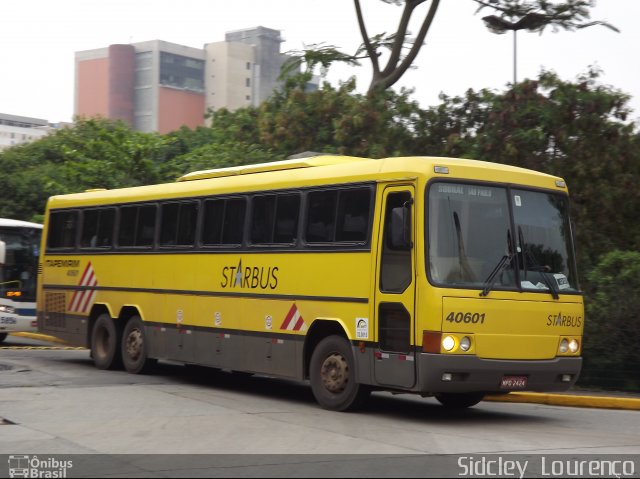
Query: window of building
pixel 181 72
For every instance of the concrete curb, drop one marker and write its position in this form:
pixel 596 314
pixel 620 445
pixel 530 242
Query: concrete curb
pixel 39 337
pixel 572 400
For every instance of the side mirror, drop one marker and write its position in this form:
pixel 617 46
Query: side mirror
pixel 401 228
pixel 3 252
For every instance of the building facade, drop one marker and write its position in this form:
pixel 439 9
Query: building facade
pixel 15 130
pixel 161 86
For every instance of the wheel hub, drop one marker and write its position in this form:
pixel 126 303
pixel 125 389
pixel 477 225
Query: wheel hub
pixel 335 373
pixel 134 344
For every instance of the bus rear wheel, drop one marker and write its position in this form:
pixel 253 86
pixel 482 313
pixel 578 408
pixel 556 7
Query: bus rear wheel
pixel 105 343
pixel 3 336
pixel 332 370
pixel 134 348
pixel 459 400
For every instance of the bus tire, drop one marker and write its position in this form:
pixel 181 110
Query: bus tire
pixel 459 400
pixel 332 375
pixel 105 343
pixel 3 336
pixel 135 347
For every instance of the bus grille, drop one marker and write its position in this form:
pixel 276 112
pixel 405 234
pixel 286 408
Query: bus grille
pixel 54 305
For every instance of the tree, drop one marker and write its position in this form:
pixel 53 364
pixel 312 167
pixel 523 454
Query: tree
pixel 612 358
pixel 95 153
pixel 403 49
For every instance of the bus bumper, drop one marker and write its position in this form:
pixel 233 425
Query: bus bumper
pixel 11 323
pixel 440 373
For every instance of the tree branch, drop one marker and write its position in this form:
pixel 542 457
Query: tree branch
pixel 373 54
pixel 396 74
pixel 399 41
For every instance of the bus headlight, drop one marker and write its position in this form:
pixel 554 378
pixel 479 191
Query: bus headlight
pixel 465 343
pixel 564 346
pixel 448 343
pixel 574 346
pixel 7 309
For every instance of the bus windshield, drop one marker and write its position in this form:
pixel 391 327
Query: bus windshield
pixel 19 271
pixel 494 237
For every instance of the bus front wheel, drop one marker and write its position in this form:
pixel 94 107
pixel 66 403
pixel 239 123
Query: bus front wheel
pixel 459 400
pixel 134 348
pixel 3 336
pixel 105 343
pixel 332 370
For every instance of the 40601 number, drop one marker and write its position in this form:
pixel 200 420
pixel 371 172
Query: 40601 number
pixel 468 318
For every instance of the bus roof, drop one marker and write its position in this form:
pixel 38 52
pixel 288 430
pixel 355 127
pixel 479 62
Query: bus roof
pixel 315 171
pixel 7 223
pixel 293 164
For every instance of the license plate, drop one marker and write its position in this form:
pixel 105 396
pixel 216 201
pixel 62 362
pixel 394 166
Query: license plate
pixel 513 382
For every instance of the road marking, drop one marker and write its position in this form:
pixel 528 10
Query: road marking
pixel 49 348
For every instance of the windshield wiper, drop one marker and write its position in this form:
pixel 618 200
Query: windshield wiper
pixel 543 270
pixel 466 272
pixel 500 267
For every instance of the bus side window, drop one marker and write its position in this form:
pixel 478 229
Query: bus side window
pixel 223 221
pixel 353 215
pixel 287 214
pixel 233 226
pixel 178 223
pixel 105 228
pixel 321 216
pixel 275 218
pixel 262 219
pixel 63 228
pixel 97 228
pixel 137 226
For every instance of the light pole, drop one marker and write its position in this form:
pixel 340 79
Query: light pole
pixel 530 21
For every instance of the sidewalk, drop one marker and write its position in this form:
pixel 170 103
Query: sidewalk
pixel 575 398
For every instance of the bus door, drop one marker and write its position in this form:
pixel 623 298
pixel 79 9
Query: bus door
pixel 395 359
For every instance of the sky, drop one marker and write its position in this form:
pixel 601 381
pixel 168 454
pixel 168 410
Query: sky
pixel 38 40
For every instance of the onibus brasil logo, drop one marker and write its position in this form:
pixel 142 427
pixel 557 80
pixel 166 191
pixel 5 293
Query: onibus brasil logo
pixel 28 466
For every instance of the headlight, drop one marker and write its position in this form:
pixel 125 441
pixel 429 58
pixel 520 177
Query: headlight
pixel 574 346
pixel 465 343
pixel 7 309
pixel 564 346
pixel 448 343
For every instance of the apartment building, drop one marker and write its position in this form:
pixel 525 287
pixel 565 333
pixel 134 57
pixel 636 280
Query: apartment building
pixel 15 129
pixel 161 86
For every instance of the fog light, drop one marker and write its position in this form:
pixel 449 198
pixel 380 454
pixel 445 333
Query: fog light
pixel 448 343
pixel 447 377
pixel 465 343
pixel 574 346
pixel 566 378
pixel 564 346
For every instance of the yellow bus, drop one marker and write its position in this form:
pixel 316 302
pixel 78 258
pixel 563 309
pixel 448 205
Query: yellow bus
pixel 443 277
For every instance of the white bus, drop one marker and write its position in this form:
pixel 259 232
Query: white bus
pixel 19 251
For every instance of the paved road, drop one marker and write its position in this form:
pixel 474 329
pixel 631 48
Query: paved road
pixel 54 401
